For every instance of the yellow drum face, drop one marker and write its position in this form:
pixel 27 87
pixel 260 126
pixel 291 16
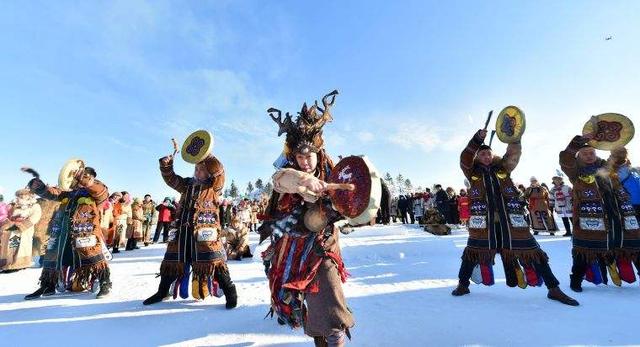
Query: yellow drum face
pixel 610 131
pixel 510 124
pixel 197 147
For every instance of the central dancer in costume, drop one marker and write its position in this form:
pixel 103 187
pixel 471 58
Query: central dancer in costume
pixel 305 268
pixel 196 242
pixel 497 224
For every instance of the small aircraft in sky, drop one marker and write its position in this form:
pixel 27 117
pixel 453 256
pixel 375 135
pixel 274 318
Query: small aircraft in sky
pixel 608 38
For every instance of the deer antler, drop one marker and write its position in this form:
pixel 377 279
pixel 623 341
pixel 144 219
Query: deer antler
pixel 331 95
pixel 283 126
pixel 328 101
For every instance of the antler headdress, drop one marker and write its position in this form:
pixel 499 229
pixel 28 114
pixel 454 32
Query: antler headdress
pixel 304 135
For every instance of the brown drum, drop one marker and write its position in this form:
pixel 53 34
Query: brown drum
pixel 361 204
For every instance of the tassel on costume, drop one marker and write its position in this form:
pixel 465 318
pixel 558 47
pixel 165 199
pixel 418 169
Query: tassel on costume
pixel 625 270
pixel 520 275
pixel 476 275
pixel 593 273
pixel 487 274
pixel 613 273
pixel 531 276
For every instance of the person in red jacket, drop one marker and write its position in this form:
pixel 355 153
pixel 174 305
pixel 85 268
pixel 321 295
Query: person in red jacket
pixel 166 212
pixel 463 207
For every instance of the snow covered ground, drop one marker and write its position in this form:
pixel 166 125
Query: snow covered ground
pixel 399 292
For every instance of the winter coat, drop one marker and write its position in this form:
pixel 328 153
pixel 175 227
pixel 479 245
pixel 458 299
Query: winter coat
pixel 497 222
pixel 630 178
pixel 539 210
pixel 137 218
pixel 418 207
pixel 198 224
pixel 463 207
pixel 75 231
pixel 560 199
pixel 165 212
pixel 16 236
pixel 604 220
pixel 4 212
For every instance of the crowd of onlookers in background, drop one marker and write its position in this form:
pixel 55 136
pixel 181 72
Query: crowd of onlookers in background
pixel 126 224
pixel 451 207
pixel 448 206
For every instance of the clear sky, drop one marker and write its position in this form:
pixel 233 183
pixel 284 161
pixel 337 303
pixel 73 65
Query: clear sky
pixel 113 82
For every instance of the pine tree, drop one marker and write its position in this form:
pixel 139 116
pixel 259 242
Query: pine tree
pixel 259 184
pixel 400 184
pixel 390 183
pixel 249 188
pixel 226 193
pixel 233 190
pixel 408 186
pixel 268 189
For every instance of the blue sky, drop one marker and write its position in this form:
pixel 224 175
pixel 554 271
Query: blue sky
pixel 113 82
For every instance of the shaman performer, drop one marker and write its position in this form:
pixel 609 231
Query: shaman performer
pixel 606 234
pixel 539 210
pixel 74 257
pixel 305 267
pixel 497 223
pixel 194 242
pixel 16 235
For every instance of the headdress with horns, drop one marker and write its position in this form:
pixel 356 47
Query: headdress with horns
pixel 304 135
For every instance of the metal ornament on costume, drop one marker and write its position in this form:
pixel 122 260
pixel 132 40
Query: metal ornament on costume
pixel 610 130
pixel 510 124
pixel 197 147
pixel 67 177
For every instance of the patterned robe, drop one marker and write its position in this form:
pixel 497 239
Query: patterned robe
pixel 194 238
pixel 74 252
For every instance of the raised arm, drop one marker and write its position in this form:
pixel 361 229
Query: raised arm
pixel 170 178
pixel 218 176
pixel 469 153
pixel 46 192
pixel 512 157
pixel 568 162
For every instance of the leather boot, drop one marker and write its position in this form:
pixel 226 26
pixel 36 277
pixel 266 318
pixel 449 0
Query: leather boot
pixel 42 291
pixel 576 284
pixel 105 285
pixel 558 295
pixel 461 290
pixel 163 291
pixel 228 288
